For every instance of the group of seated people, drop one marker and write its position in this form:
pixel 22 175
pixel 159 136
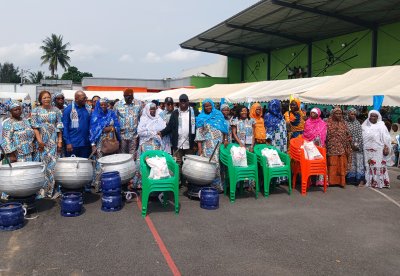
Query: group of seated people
pixel 356 153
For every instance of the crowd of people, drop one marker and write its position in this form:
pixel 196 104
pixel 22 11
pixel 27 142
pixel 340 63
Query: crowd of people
pixel 357 152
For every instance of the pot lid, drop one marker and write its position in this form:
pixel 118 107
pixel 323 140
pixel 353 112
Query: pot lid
pixel 199 158
pixel 115 158
pixel 21 165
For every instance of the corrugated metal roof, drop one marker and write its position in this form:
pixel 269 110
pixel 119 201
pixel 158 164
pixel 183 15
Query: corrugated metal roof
pixel 274 24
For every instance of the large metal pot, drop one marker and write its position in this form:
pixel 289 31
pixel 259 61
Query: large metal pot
pixel 122 163
pixel 198 170
pixel 73 172
pixel 23 179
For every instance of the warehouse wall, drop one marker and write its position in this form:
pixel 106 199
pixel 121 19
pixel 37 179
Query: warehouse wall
pixel 200 82
pixel 331 56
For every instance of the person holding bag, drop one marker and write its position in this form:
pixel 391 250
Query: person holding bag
pixel 104 135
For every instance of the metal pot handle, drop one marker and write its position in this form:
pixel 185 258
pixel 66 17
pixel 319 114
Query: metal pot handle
pixel 200 194
pixel 73 155
pixel 44 167
pixel 183 158
pixel 25 210
pixel 77 164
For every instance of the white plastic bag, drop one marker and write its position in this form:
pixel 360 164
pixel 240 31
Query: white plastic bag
pixel 272 157
pixel 239 158
pixel 158 167
pixel 311 152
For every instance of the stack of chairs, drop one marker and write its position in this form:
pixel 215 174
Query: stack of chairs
pixel 235 174
pixel 306 167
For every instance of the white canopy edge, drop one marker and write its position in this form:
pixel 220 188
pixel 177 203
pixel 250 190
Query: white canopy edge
pixel 111 95
pixel 357 87
pixel 15 96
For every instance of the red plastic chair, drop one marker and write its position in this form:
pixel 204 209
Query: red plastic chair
pixel 306 167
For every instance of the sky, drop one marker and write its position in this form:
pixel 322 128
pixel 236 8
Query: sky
pixel 120 38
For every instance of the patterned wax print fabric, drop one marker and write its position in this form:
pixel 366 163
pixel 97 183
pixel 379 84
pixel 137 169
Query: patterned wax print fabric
pixel 18 136
pixel 244 130
pixel 128 116
pixel 356 172
pixel 215 118
pixel 278 136
pixel 229 123
pixel 49 123
pixel 376 137
pixel 315 129
pixel 209 138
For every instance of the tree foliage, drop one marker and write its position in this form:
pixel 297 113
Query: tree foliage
pixel 55 53
pixel 36 77
pixel 9 73
pixel 75 75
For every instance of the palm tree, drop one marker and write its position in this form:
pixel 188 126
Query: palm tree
pixel 36 77
pixel 55 53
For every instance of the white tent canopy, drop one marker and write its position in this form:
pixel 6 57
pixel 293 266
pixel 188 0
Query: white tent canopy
pixel 111 95
pixel 279 89
pixel 357 87
pixel 218 91
pixel 15 96
pixel 173 93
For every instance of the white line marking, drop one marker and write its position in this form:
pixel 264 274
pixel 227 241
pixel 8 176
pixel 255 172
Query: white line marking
pixel 386 196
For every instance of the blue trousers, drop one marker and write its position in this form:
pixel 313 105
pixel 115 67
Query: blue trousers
pixel 83 152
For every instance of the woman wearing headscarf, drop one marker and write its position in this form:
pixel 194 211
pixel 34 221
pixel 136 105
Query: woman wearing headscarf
pixel 226 111
pixel 356 172
pixel 150 124
pixel 315 128
pixel 377 150
pixel 17 135
pixel 243 128
pixel 47 125
pixel 259 128
pixel 315 131
pixel 211 129
pixel 102 122
pixel 338 148
pixel 294 119
pixel 59 101
pixel 276 126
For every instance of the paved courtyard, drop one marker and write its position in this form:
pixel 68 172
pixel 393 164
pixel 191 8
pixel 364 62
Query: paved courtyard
pixel 351 231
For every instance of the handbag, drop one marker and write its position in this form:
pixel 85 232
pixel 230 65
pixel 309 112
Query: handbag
pixel 110 144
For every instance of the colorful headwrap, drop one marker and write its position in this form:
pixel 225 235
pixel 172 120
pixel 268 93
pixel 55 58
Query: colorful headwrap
pixel 13 104
pixel 274 115
pixel 314 128
pixel 99 120
pixel 103 100
pixel 223 106
pixel 259 132
pixel 215 118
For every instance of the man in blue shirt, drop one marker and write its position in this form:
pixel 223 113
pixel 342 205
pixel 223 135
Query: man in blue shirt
pixel 76 120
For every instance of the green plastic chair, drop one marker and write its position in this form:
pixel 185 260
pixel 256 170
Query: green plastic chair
pixel 236 174
pixel 170 184
pixel 272 172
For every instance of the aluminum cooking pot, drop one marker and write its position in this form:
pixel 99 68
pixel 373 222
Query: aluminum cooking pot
pixel 122 163
pixel 198 169
pixel 73 172
pixel 23 179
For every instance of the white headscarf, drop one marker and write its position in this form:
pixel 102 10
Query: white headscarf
pixel 375 136
pixel 149 125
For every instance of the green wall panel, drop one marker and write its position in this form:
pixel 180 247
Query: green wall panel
pixel 234 70
pixel 345 53
pixel 389 45
pixel 255 68
pixel 282 59
pixel 200 82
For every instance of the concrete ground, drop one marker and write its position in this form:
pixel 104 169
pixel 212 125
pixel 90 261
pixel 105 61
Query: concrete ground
pixel 351 231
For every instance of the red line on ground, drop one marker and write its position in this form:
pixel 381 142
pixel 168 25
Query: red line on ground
pixel 174 269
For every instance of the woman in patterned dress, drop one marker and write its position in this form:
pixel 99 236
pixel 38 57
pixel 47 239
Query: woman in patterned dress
pixel 150 124
pixel 102 122
pixel 377 151
pixel 226 111
pixel 276 125
pixel 243 128
pixel 295 119
pixel 47 125
pixel 356 173
pixel 211 129
pixel 17 135
pixel 338 148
